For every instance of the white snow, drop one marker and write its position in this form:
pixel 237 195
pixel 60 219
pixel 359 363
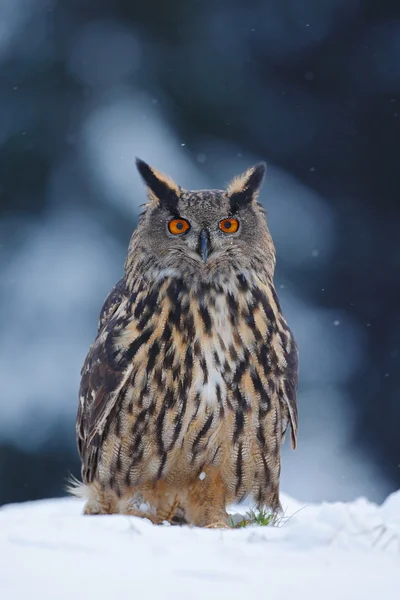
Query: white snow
pixel 48 550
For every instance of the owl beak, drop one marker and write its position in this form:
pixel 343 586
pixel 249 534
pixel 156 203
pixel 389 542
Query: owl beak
pixel 204 247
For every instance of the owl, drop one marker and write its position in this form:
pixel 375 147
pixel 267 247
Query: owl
pixel 190 385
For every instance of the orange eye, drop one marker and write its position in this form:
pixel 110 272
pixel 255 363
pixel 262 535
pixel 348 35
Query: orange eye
pixel 177 226
pixel 229 225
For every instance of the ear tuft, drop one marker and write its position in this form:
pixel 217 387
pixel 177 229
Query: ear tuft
pixel 161 188
pixel 245 188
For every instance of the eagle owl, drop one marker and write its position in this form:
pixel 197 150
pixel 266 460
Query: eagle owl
pixel 190 384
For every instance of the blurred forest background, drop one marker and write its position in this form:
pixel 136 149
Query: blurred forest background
pixel 202 90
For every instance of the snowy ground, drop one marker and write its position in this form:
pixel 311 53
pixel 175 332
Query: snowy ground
pixel 327 551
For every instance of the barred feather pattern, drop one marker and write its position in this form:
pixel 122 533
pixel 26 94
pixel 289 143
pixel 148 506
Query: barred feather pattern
pixel 202 376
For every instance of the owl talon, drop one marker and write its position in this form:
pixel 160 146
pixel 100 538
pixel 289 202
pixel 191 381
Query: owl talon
pixel 217 525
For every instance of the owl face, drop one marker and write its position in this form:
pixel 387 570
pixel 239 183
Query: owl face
pixel 203 230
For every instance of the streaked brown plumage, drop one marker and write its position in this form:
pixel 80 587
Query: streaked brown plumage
pixel 190 385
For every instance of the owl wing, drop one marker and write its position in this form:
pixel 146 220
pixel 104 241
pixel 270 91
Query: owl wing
pixel 288 382
pixel 112 303
pixel 102 379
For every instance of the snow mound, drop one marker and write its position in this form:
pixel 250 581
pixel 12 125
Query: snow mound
pixel 48 550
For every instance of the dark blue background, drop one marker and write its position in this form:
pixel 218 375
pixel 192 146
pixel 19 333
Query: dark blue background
pixel 201 90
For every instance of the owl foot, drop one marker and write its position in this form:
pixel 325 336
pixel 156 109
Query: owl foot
pixel 94 509
pixel 97 507
pixel 132 512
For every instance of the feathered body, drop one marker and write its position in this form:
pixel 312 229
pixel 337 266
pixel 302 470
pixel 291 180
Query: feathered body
pixel 191 382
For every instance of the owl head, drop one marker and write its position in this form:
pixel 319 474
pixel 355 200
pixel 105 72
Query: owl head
pixel 202 233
